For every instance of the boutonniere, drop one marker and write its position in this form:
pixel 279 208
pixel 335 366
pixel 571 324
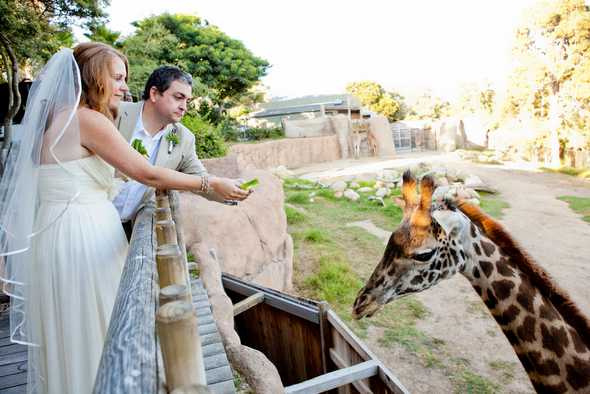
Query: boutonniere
pixel 172 139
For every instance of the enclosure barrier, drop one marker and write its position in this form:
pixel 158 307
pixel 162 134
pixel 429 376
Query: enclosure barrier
pixel 132 361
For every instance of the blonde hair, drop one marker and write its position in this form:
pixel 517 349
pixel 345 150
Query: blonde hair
pixel 95 60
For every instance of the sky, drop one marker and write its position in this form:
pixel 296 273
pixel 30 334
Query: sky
pixel 317 47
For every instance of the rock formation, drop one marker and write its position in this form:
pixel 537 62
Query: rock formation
pixel 250 239
pixel 380 128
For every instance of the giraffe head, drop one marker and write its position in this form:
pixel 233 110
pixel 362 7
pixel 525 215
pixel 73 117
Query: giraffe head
pixel 421 252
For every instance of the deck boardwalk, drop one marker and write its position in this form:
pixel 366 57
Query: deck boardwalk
pixel 13 358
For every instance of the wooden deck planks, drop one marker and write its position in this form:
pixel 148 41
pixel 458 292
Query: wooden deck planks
pixel 217 370
pixel 13 361
pixel 13 357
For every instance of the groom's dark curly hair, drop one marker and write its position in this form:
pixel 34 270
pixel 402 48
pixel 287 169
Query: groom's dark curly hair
pixel 162 78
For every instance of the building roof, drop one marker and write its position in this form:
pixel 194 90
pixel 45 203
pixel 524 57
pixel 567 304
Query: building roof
pixel 335 105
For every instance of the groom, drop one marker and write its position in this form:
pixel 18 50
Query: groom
pixel 165 98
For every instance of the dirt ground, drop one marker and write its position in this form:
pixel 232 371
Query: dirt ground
pixel 545 227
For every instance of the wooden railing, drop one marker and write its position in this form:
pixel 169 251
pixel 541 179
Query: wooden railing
pixel 132 359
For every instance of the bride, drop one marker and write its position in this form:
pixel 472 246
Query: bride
pixel 63 245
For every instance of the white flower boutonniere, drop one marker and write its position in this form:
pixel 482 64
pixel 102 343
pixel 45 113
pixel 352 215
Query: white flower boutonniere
pixel 172 139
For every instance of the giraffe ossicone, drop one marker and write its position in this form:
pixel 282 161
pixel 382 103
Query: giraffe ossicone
pixel 549 334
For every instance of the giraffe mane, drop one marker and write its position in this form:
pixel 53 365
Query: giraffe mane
pixel 537 274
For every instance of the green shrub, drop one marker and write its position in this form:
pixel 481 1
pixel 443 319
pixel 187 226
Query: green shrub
pixel 209 141
pixel 255 133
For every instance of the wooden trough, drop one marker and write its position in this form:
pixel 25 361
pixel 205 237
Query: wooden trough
pixel 311 347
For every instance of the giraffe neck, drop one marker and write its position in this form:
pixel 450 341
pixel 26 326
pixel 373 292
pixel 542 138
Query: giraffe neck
pixel 544 334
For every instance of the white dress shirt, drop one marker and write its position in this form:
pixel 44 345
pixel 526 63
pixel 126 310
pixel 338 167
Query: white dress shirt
pixel 132 192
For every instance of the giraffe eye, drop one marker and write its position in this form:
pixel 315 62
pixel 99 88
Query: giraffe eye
pixel 424 256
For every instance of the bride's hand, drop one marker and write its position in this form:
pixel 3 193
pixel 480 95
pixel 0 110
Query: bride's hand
pixel 229 189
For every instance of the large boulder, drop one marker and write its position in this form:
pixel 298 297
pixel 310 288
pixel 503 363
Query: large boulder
pixel 250 239
pixel 342 127
pixel 379 126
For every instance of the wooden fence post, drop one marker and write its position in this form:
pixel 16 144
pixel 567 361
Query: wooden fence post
pixel 166 232
pixel 193 389
pixel 163 213
pixel 170 266
pixel 181 345
pixel 175 293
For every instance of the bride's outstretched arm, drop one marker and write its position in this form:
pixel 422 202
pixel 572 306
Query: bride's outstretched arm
pixel 99 135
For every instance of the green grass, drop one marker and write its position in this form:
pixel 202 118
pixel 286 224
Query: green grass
pixel 294 216
pixel 579 205
pixel 468 382
pixel 507 369
pixel 577 172
pixel 317 235
pixel 492 207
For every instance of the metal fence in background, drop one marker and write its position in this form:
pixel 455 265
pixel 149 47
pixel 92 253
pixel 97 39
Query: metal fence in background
pixel 569 157
pixel 575 158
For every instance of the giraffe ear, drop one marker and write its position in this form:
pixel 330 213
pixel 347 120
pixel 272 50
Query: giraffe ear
pixel 450 221
pixel 399 201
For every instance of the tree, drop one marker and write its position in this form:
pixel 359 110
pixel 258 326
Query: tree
pixel 426 105
pixel 28 31
pixel 223 67
pixel 551 53
pixel 373 97
pixel 100 33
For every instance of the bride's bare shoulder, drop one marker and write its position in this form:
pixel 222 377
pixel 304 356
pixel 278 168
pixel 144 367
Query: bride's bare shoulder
pixel 91 118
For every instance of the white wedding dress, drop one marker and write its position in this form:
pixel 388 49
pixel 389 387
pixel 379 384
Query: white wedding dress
pixel 75 271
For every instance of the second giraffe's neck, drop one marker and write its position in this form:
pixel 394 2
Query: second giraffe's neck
pixel 546 340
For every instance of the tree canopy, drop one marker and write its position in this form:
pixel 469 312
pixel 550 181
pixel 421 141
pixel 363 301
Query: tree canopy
pixel 30 31
pixel 223 66
pixel 373 97
pixel 551 54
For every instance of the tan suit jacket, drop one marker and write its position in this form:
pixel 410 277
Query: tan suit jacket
pixel 182 158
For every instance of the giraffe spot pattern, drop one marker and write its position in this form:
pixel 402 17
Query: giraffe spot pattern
pixel 473 231
pixel 554 339
pixel 547 368
pixel 454 255
pixel 417 280
pixel 578 373
pixel 487 268
pixel 549 388
pixel 488 248
pixel 508 315
pixel 512 338
pixel 476 273
pixel 462 254
pixel 526 331
pixel 524 360
pixel 491 301
pixel 478 289
pixel 504 267
pixel 579 345
pixel 526 296
pixel 502 288
pixel 477 249
pixel 548 312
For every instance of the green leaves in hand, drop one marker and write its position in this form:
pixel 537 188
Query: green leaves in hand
pixel 138 146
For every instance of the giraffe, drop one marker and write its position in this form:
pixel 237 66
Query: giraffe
pixel 371 141
pixel 549 334
pixel 356 142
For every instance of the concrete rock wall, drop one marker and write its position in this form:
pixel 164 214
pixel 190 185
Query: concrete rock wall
pixel 379 127
pixel 316 127
pixel 290 152
pixel 250 239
